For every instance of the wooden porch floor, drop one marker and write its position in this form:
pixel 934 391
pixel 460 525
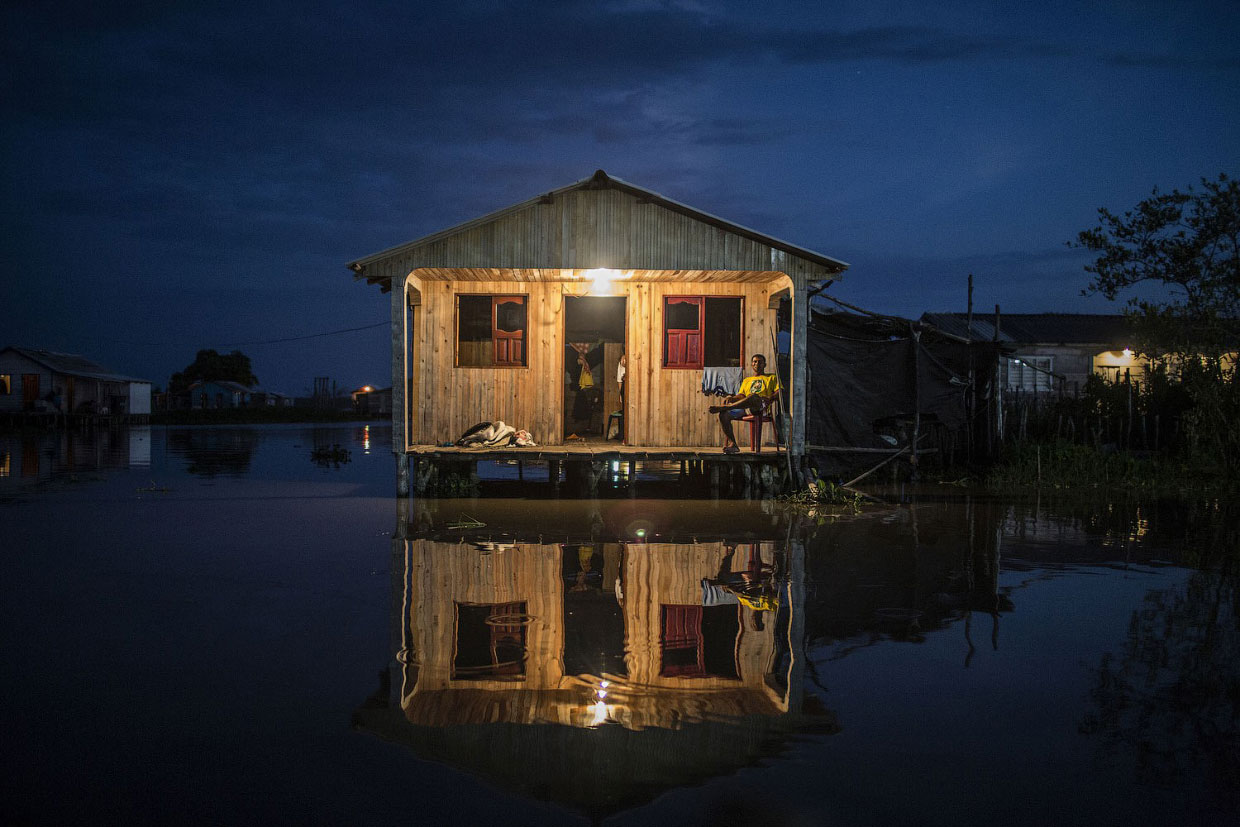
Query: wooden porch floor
pixel 599 450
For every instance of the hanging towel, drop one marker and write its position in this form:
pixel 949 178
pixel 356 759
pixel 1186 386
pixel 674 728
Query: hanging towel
pixel 715 595
pixel 720 381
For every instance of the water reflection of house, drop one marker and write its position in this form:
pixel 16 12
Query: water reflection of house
pixel 35 381
pixel 645 687
pixel 904 574
pixel 34 455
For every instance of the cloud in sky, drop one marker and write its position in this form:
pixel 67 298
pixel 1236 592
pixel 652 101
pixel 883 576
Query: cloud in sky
pixel 204 170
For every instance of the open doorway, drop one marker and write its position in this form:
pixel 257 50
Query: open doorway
pixel 593 387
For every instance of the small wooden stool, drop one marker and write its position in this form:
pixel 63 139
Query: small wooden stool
pixel 615 418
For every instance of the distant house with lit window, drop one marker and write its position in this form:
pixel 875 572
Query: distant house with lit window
pixel 219 393
pixel 45 381
pixel 269 399
pixel 371 401
pixel 1047 348
pixel 523 315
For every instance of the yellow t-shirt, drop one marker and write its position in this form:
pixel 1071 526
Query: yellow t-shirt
pixel 764 385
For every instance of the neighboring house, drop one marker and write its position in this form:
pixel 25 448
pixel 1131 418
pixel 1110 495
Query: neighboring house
pixel 42 380
pixel 219 393
pixel 369 401
pixel 270 399
pixel 1049 346
pixel 489 318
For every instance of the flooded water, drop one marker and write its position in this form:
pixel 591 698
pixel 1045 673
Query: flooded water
pixel 244 625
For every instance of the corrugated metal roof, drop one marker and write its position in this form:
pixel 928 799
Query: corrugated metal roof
pixel 601 180
pixel 71 364
pixel 1038 328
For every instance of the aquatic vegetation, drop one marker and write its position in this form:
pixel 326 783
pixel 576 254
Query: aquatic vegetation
pixel 824 492
pixel 1061 464
pixel 334 456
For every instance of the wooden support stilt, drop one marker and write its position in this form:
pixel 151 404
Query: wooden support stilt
pixel 594 472
pixel 553 472
pixel 402 475
pixel 714 480
pixel 424 474
pixel 766 479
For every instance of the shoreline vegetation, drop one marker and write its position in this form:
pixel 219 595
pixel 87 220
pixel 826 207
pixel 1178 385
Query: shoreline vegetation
pixel 1058 464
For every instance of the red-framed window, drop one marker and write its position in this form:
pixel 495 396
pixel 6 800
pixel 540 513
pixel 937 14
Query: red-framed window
pixel 491 331
pixel 699 641
pixel 490 641
pixel 703 331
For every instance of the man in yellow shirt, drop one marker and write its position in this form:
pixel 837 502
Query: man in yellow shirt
pixel 755 392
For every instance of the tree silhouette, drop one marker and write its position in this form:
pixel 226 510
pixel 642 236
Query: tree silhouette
pixel 210 366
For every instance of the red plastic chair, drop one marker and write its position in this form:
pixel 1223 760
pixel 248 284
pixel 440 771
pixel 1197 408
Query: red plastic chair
pixel 755 420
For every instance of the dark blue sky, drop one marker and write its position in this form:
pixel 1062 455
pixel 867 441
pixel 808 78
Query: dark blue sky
pixel 187 175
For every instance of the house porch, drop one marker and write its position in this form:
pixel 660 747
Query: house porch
pixel 579 469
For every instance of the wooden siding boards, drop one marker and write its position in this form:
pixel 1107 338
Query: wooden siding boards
pixel 539 249
pixel 449 399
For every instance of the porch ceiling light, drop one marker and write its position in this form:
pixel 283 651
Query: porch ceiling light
pixel 1127 353
pixel 600 279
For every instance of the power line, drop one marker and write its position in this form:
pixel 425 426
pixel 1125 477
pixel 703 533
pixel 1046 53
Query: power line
pixel 308 336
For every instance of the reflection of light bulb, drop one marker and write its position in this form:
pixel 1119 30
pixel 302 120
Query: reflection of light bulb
pixel 641 532
pixel 600 714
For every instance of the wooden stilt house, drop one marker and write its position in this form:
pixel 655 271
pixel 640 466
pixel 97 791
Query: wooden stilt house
pixel 523 315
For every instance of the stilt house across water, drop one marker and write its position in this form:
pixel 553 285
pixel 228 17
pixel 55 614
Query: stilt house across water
pixel 499 317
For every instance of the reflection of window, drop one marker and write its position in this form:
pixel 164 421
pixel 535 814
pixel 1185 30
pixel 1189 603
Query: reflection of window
pixel 702 331
pixel 490 641
pixel 6 384
pixel 699 641
pixel 1031 374
pixel 490 331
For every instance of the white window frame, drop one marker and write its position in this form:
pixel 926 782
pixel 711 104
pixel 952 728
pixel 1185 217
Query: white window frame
pixel 1030 374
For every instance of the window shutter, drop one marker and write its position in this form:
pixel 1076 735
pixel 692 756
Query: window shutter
pixel 682 344
pixel 508 329
pixel 681 644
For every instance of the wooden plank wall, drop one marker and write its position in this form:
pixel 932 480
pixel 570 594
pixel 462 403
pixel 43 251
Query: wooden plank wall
pixel 445 574
pixel 671 574
pixel 664 407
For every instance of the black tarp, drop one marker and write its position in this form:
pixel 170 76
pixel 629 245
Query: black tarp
pixel 869 376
